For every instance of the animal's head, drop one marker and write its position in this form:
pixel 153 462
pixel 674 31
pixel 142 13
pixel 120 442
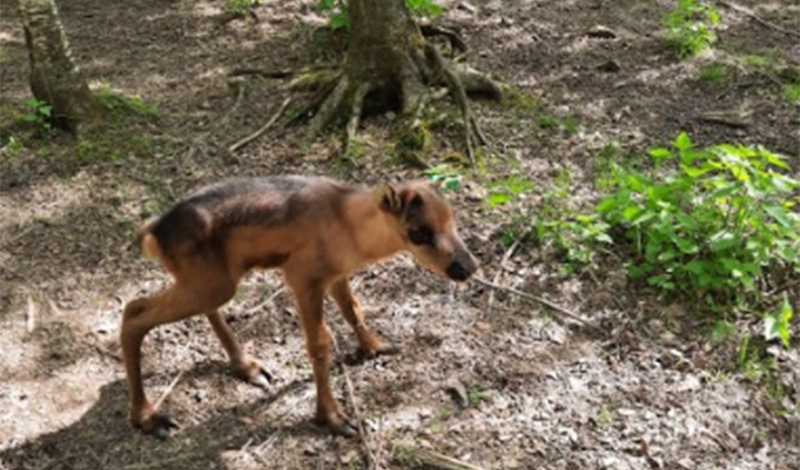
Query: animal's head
pixel 425 222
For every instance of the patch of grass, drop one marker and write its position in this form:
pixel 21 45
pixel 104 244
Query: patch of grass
pixel 119 103
pixel 474 395
pixel 605 416
pixel 714 72
pixel 514 98
pixel 689 27
pixel 791 92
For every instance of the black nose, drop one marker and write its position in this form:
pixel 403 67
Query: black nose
pixel 457 272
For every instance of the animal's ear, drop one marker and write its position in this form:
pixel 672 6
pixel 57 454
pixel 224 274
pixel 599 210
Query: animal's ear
pixel 388 198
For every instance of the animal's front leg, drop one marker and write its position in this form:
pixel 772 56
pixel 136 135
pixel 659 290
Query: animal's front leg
pixel 370 344
pixel 318 343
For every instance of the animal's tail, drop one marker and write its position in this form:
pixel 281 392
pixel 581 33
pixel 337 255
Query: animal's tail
pixel 148 243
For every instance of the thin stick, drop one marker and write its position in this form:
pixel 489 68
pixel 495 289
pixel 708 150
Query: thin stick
pixel 166 393
pixel 758 19
pixel 30 317
pixel 263 129
pixel 372 463
pixel 503 261
pixel 563 311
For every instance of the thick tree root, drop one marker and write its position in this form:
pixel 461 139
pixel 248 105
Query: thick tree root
pixel 340 98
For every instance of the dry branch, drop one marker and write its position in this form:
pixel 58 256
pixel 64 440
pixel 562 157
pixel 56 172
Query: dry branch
pixel 372 462
pixel 433 459
pixel 169 389
pixel 758 19
pixel 557 308
pixel 241 143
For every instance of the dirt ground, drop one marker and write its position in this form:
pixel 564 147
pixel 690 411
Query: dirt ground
pixel 500 384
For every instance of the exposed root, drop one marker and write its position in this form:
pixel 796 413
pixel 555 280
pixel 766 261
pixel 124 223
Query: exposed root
pixel 330 107
pixel 456 41
pixel 456 88
pixel 340 97
pixel 477 83
pixel 355 115
pixel 316 101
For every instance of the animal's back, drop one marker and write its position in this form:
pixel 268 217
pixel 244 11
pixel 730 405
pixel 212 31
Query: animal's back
pixel 203 219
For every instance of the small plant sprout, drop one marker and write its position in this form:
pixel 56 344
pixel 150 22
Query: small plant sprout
pixel 689 27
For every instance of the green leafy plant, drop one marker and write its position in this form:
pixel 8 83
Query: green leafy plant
pixel 39 113
pixel 791 91
pixel 508 189
pixel 689 27
pixel 776 324
pixel 709 223
pixel 337 9
pixel 446 174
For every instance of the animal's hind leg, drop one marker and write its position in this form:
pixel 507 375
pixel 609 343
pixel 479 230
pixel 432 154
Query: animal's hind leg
pixel 370 345
pixel 243 365
pixel 142 315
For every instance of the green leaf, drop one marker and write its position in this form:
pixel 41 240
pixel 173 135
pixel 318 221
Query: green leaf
pixel 687 246
pixel 683 142
pixel 722 240
pixel 660 153
pixel 776 324
pixel 495 199
pixel 779 214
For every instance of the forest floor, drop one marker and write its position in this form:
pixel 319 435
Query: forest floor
pixel 500 384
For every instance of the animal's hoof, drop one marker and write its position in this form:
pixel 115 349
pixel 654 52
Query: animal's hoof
pixel 345 430
pixel 360 355
pixel 338 424
pixel 158 425
pixel 252 372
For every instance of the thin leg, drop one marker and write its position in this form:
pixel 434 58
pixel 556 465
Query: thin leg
pixel 371 345
pixel 243 366
pixel 318 343
pixel 142 315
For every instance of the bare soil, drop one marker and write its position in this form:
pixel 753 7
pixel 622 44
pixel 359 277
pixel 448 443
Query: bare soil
pixel 502 384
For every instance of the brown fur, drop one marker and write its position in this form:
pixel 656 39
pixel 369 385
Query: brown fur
pixel 317 231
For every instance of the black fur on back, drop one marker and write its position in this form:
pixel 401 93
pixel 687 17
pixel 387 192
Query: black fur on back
pixel 201 220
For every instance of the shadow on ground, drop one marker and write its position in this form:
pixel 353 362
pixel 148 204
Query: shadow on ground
pixel 103 439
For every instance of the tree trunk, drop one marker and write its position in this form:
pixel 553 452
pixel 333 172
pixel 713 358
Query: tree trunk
pixel 54 77
pixel 391 66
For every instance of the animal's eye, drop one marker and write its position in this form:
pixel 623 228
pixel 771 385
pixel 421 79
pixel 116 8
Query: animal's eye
pixel 421 236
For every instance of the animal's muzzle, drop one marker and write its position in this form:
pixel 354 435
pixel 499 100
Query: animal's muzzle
pixel 462 267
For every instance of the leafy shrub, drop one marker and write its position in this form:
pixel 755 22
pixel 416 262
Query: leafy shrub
pixel 712 223
pixel 688 27
pixel 39 113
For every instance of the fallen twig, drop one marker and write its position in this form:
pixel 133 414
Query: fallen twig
pixel 563 311
pixel 241 143
pixel 506 256
pixel 260 72
pixel 30 317
pixel 431 458
pixel 169 389
pixel 372 462
pixel 763 22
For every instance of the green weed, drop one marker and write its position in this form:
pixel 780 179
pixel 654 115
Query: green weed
pixel 689 27
pixel 714 72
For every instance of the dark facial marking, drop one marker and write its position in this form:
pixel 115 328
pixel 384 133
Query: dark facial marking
pixel 414 209
pixel 422 235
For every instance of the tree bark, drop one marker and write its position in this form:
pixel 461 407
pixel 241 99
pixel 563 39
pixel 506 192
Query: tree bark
pixel 391 66
pixel 54 77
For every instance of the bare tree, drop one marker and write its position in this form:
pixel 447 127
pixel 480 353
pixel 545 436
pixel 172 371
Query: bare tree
pixel 54 77
pixel 390 59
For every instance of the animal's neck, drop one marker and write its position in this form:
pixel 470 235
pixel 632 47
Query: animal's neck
pixel 373 229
